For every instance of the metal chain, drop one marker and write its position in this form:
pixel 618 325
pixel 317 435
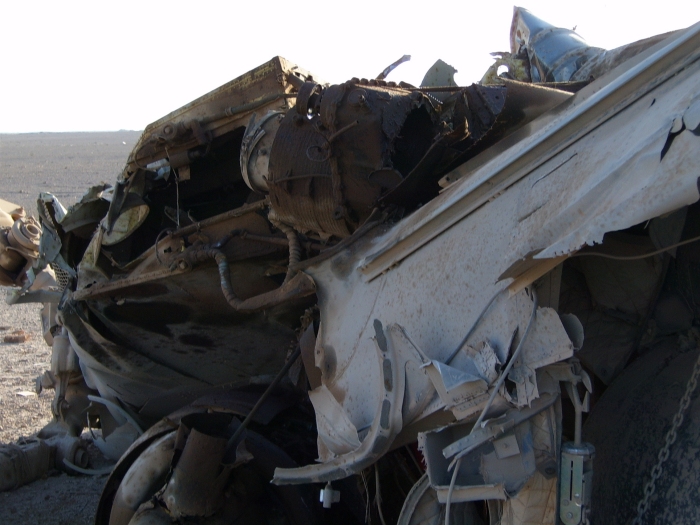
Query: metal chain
pixel 665 451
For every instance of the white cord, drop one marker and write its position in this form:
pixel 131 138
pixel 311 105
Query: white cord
pixel 457 461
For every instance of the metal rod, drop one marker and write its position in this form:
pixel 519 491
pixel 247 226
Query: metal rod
pixel 238 212
pixel 438 89
pixel 234 438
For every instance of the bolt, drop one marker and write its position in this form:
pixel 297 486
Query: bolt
pixel 569 515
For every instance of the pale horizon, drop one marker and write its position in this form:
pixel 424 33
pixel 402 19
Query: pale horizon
pixel 81 66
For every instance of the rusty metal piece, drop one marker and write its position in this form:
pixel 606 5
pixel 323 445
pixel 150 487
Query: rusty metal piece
pixel 205 316
pixel 18 336
pixel 25 234
pixel 19 246
pixel 251 106
pixel 349 132
pixel 22 463
pixel 99 289
pixel 31 458
pixel 255 149
pixel 143 478
pixel 308 98
pixel 11 260
pixel 198 479
pixel 226 108
pixel 238 212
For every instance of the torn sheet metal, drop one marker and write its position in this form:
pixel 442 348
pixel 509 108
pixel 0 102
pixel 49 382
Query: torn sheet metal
pixel 418 315
pixel 359 140
pixel 481 116
pixel 336 433
pixel 384 428
pixel 554 53
pixel 461 391
pixel 346 358
pixel 610 190
pixel 486 360
pixel 385 72
pixel 440 74
pixel 617 189
pixel 216 113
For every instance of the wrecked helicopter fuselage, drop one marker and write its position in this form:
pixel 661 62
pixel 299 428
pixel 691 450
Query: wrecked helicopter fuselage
pixel 400 296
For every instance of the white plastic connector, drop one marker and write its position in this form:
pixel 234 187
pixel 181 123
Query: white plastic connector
pixel 329 496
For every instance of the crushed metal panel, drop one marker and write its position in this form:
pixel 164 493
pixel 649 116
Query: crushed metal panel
pixel 335 431
pixel 486 360
pixel 391 352
pixel 359 140
pixel 554 53
pixel 483 474
pixel 504 457
pixel 469 260
pixel 385 426
pixel 488 175
pixel 216 113
pixel 460 391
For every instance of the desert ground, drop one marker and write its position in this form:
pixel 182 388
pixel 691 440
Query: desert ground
pixel 65 164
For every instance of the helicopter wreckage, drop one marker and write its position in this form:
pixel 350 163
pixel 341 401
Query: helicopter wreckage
pixel 426 304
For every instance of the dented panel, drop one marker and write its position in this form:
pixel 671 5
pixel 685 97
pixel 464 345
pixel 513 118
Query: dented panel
pixel 462 271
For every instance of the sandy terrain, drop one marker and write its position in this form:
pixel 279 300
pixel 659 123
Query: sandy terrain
pixel 65 164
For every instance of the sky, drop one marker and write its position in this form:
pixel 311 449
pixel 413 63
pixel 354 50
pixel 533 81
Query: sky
pixel 109 65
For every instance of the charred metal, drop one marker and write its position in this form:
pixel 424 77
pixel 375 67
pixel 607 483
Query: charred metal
pixel 424 304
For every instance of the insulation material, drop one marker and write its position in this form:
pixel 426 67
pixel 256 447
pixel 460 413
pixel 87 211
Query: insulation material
pixel 535 504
